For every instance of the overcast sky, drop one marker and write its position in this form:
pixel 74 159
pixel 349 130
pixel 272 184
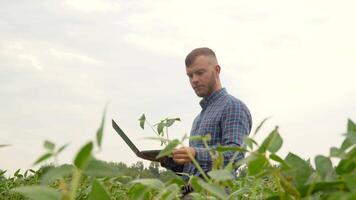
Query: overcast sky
pixel 61 61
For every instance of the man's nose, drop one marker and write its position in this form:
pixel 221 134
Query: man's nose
pixel 195 80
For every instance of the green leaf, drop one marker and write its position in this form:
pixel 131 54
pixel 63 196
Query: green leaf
pixel 56 173
pixel 43 158
pixel 83 156
pixel 335 152
pixel 288 187
pixel 351 126
pixel 249 142
pixel 139 192
pixel 213 189
pixel 98 192
pixel 346 144
pixel 194 183
pixel 98 168
pixel 350 135
pixel 276 143
pixel 171 121
pixel 279 160
pixel 207 137
pixel 300 171
pixel 195 137
pixel 62 148
pixel 348 163
pixel 323 165
pixel 260 125
pixel 175 180
pixel 168 149
pixel 197 196
pixel 256 163
pixel 49 145
pixel 220 175
pixel 160 128
pixel 350 180
pixel 38 192
pixel 2 172
pixel 169 192
pixel 100 131
pixel 272 143
pixel 17 172
pixel 220 148
pixel 321 186
pixel 150 183
pixel 142 121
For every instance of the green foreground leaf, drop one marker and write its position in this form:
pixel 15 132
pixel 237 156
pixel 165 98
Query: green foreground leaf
pixel 98 192
pixel 168 149
pixel 323 165
pixel 213 189
pixel 43 158
pixel 56 173
pixel 300 169
pixel 38 192
pixel 49 145
pixel 150 182
pixel 220 175
pixel 142 121
pixel 100 131
pixel 83 156
pixel 98 168
pixel 272 143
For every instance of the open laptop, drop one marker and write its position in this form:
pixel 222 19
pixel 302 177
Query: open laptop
pixel 147 154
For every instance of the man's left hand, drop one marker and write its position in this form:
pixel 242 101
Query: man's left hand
pixel 181 156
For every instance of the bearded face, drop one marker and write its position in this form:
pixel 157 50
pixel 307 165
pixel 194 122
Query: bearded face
pixel 203 76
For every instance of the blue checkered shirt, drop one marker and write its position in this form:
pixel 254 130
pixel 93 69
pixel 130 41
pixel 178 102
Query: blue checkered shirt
pixel 227 119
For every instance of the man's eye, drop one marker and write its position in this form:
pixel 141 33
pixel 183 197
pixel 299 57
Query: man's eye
pixel 199 72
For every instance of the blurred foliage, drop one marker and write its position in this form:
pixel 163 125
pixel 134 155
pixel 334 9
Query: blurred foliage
pixel 261 174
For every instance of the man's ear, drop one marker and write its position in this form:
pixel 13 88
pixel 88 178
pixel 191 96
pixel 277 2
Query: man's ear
pixel 217 69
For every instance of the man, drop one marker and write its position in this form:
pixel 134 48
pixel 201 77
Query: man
pixel 223 116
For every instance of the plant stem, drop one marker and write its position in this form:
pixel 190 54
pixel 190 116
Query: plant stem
pixel 207 147
pixel 152 127
pixel 167 132
pixel 75 182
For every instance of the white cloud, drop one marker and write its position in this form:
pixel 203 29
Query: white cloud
pixel 89 6
pixel 294 48
pixel 70 56
pixel 292 60
pixel 33 60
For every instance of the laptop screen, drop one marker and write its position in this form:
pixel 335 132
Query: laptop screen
pixel 124 137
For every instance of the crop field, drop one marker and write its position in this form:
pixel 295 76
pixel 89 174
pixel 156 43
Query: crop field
pixel 262 174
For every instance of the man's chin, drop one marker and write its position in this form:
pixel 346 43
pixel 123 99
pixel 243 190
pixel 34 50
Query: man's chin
pixel 200 94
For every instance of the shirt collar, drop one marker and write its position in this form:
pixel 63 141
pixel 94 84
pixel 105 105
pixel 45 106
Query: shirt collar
pixel 213 97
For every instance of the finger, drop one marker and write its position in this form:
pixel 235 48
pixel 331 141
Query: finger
pixel 178 151
pixel 181 161
pixel 180 156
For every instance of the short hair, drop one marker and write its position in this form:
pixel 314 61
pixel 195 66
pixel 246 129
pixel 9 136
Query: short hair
pixel 203 51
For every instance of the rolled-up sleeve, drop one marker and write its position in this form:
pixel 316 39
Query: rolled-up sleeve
pixel 235 125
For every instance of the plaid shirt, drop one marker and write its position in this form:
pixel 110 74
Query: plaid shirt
pixel 227 119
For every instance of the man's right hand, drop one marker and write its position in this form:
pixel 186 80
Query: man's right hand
pixel 181 156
